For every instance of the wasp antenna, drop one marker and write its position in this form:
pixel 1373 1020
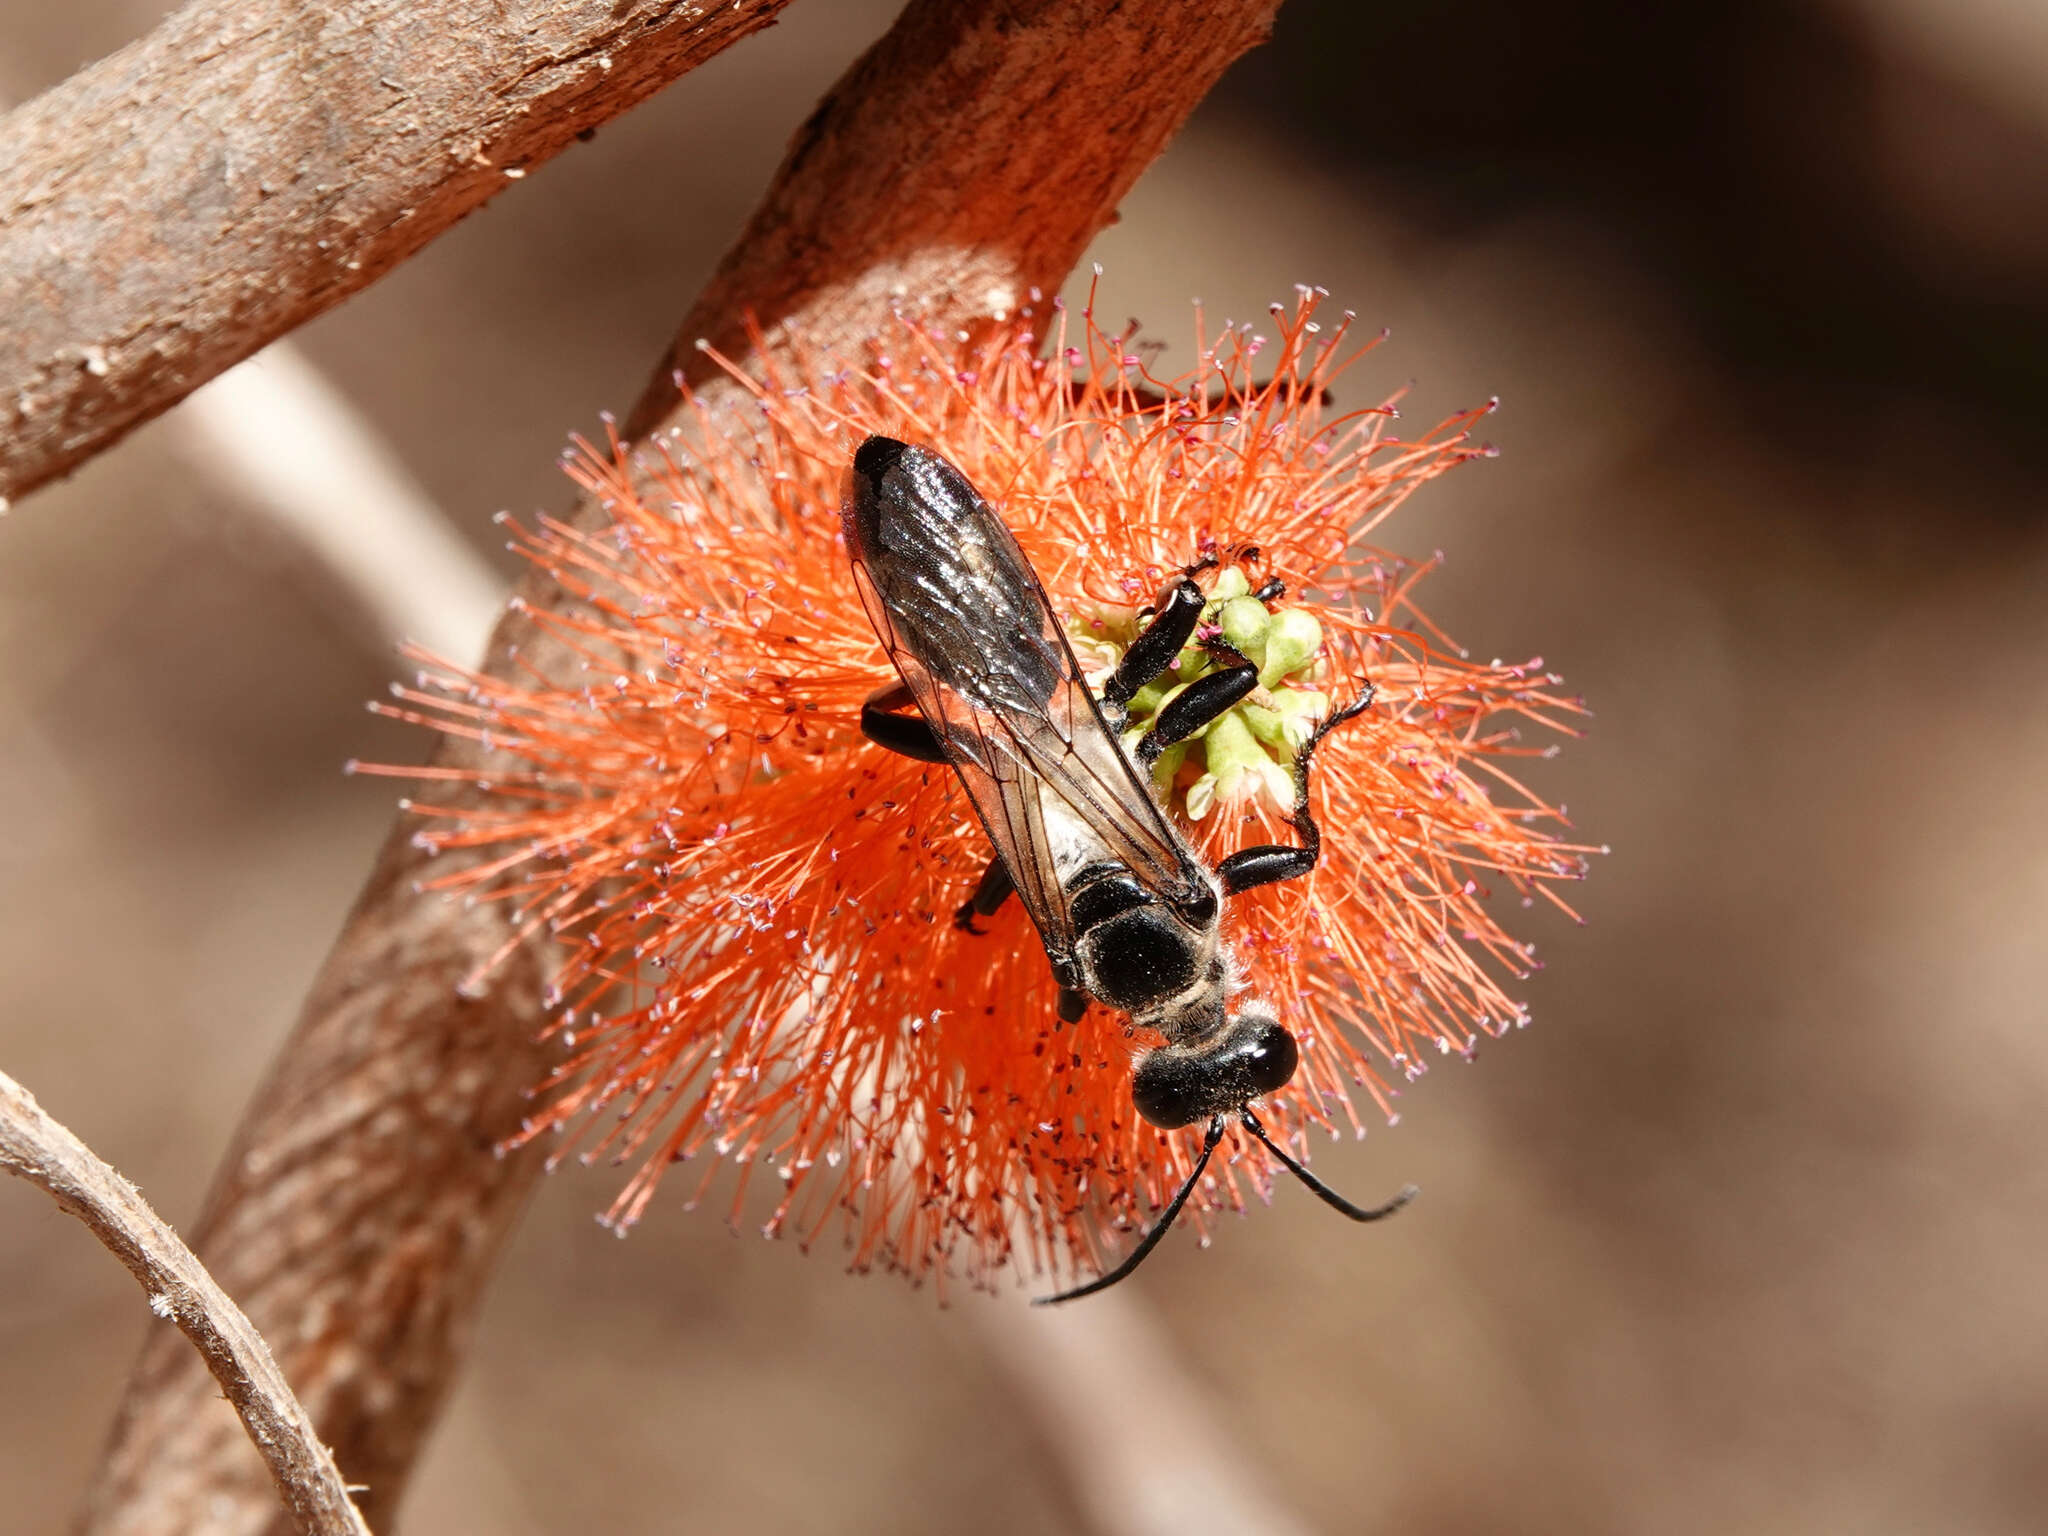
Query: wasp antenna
pixel 1323 1191
pixel 1151 1240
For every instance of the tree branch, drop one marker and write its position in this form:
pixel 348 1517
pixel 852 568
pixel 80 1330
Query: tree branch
pixel 969 157
pixel 38 1149
pixel 171 209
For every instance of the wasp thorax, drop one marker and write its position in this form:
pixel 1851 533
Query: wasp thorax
pixel 1250 1056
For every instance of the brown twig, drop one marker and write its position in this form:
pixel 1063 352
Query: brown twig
pixel 36 1148
pixel 169 210
pixel 966 159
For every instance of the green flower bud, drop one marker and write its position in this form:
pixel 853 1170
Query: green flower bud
pixel 1146 701
pixel 1292 640
pixel 1269 725
pixel 1228 743
pixel 1232 583
pixel 1245 623
pixel 1301 709
pixel 1168 766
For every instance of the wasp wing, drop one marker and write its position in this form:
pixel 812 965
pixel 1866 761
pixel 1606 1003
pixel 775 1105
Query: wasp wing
pixel 967 623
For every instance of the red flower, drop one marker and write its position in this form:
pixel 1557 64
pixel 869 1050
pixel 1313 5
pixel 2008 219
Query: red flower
pixel 756 902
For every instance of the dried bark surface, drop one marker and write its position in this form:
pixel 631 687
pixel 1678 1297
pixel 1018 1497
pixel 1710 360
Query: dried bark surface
pixel 36 1148
pixel 171 209
pixel 357 1213
pixel 967 158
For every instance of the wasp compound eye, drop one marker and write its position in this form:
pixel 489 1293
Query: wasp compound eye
pixel 1269 1059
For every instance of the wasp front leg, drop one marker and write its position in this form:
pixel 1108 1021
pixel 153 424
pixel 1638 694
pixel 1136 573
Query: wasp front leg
pixel 1203 701
pixel 1272 862
pixel 1154 650
pixel 1172 627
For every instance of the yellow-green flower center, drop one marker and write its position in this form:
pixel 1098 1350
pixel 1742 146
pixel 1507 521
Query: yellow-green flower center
pixel 1249 749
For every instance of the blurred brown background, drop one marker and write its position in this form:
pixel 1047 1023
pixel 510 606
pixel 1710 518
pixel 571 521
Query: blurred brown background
pixel 1745 1234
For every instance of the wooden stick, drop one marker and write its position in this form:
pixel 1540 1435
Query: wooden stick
pixel 969 157
pixel 171 209
pixel 36 1148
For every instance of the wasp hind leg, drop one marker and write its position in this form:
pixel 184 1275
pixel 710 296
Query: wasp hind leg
pixel 1270 862
pixel 990 893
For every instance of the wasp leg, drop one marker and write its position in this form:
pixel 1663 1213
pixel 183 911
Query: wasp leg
pixel 906 735
pixel 989 895
pixel 1173 624
pixel 1269 862
pixel 1195 706
pixel 1153 651
pixel 1073 1003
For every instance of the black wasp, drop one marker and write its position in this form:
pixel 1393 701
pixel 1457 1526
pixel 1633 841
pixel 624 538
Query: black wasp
pixel 1128 913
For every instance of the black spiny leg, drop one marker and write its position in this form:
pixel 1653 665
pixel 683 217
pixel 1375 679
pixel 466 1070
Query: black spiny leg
pixel 906 735
pixel 989 895
pixel 1153 651
pixel 1275 861
pixel 1196 705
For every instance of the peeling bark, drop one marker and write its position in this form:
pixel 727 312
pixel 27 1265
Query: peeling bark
pixel 177 206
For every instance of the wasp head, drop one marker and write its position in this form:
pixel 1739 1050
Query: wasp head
pixel 1248 1056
